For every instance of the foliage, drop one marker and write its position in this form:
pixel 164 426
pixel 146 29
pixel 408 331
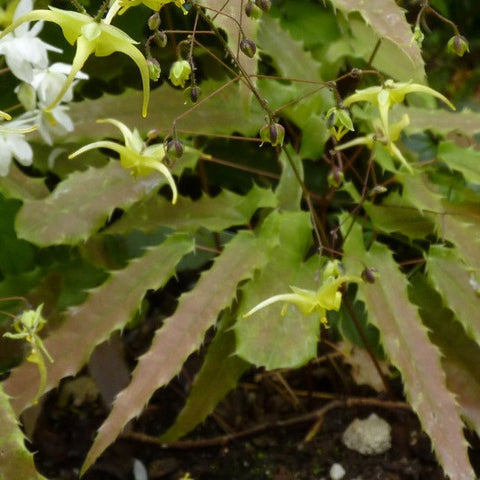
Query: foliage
pixel 354 180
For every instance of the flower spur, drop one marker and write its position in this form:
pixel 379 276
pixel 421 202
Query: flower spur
pixel 135 155
pixel 92 37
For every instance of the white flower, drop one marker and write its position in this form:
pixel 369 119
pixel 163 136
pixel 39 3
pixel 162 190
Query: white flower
pixel 55 122
pixel 14 145
pixel 49 82
pixel 40 93
pixel 22 49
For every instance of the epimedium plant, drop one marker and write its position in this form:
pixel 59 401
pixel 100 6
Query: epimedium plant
pixel 385 227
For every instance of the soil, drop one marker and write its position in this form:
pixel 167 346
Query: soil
pixel 283 425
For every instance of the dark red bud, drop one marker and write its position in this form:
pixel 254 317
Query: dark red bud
pixel 194 94
pixel 369 275
pixel 154 21
pixel 265 5
pixel 248 47
pixel 161 39
pixel 174 149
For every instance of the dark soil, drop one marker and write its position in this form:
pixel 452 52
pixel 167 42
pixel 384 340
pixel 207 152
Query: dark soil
pixel 276 425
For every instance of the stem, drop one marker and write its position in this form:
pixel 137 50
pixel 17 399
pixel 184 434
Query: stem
pixel 262 101
pixel 320 234
pixel 442 18
pixel 366 344
pixel 78 7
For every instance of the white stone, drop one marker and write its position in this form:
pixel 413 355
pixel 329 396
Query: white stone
pixel 337 471
pixel 371 436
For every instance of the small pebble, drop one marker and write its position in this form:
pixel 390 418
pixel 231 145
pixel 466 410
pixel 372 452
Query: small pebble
pixel 337 471
pixel 371 436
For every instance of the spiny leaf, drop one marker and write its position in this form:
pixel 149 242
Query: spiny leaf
pixel 219 373
pixel 438 121
pixel 181 334
pixel 16 460
pixel 394 215
pixel 108 308
pixel 461 355
pixel 465 160
pixel 461 295
pixel 400 57
pixel 223 211
pixel 461 225
pixel 227 20
pixel 409 348
pixel 21 186
pixel 294 62
pixel 457 223
pixel 269 338
pixel 415 213
pixel 166 104
pixel 289 191
pixel 81 204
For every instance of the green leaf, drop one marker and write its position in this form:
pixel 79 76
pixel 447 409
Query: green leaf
pixel 81 204
pixel 269 338
pixel 289 192
pixel 465 160
pixel 461 295
pixel 18 185
pixel 226 20
pixel 219 373
pixel 225 210
pixel 181 334
pixel 293 62
pixel 438 121
pixel 167 104
pixel 107 309
pixel 398 56
pixel 406 342
pixel 17 461
pixel 396 215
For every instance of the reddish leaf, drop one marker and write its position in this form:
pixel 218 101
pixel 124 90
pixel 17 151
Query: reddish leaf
pixel 409 348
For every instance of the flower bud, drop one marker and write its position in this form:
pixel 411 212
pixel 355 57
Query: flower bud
pixel 369 275
pixel 252 11
pixel 161 39
pixel 273 133
pixel 263 4
pixel 154 69
pixel 458 45
pixel 179 73
pixel 154 21
pixel 377 189
pixel 335 177
pixel 248 47
pixel 174 149
pixel 194 94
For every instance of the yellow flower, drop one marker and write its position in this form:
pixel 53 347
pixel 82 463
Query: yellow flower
pixel 369 141
pixel 134 155
pixel 180 72
pixel 384 97
pixel 121 6
pixel 92 37
pixel 327 297
pixel 388 94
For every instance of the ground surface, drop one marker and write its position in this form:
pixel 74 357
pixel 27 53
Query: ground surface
pixel 276 425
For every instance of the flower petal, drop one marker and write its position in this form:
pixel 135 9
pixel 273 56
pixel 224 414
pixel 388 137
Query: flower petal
pixel 84 50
